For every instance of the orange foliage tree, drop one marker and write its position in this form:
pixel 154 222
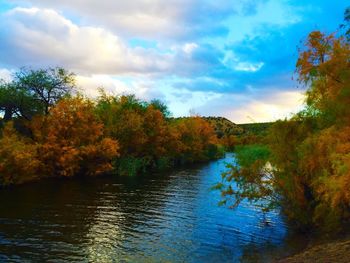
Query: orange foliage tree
pixel 310 153
pixel 18 157
pixel 196 138
pixel 148 138
pixel 71 140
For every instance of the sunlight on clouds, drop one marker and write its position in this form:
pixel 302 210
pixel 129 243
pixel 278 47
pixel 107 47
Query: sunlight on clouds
pixel 90 85
pixel 43 36
pixel 269 105
pixel 278 106
pixel 143 89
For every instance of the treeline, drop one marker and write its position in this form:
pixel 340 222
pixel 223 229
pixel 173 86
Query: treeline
pixel 308 169
pixel 49 129
pixel 233 135
pixel 246 134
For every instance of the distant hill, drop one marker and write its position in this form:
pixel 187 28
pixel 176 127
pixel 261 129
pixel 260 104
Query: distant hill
pixel 224 126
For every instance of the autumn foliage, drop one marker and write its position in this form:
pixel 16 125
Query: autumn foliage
pixel 19 160
pixel 196 137
pixel 71 140
pixel 150 140
pixel 116 134
pixel 308 169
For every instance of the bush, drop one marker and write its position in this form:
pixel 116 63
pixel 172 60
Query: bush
pixel 19 160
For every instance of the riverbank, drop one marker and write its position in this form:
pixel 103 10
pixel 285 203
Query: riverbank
pixel 337 251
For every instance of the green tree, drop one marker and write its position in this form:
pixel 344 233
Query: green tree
pixel 34 92
pixel 161 106
pixel 16 102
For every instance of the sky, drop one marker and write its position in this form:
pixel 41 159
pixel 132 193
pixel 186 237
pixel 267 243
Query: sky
pixel 234 59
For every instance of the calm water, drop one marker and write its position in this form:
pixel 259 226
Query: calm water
pixel 170 217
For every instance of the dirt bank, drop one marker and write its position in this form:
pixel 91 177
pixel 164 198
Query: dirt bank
pixel 338 252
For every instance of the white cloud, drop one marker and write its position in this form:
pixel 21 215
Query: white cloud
pixel 249 67
pixel 270 110
pixel 44 37
pixel 232 61
pixel 144 18
pixel 90 85
pixel 189 47
pixel 246 108
pixel 143 88
pixel 5 74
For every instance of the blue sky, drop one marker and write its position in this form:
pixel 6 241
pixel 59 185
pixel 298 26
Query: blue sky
pixel 221 58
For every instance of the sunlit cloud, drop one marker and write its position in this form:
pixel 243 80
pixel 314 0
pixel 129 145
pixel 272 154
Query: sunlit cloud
pixel 44 37
pixel 252 107
pixel 92 85
pixel 189 47
pixel 279 106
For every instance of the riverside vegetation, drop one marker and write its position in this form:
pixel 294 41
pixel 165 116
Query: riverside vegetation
pixel 302 164
pixel 49 129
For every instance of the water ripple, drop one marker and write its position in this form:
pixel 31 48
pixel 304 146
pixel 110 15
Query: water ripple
pixel 170 217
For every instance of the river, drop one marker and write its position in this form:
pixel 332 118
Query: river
pixel 162 217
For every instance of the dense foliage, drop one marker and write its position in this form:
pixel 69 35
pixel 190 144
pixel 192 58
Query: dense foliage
pixel 33 92
pixel 309 164
pixel 51 130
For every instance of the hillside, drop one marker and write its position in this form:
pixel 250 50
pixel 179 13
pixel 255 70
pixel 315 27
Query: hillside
pixel 224 126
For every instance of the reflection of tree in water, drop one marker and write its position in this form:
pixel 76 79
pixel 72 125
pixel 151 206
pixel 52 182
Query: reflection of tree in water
pixel 54 218
pixel 45 220
pixel 132 217
pixel 73 218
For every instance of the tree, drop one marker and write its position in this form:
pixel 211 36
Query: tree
pixel 123 120
pixel 324 65
pixel 346 24
pixel 34 92
pixel 309 152
pixel 196 137
pixel 72 141
pixel 162 107
pixel 19 160
pixel 47 86
pixel 18 102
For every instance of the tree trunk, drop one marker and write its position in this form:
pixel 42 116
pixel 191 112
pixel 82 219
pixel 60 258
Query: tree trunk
pixel 8 114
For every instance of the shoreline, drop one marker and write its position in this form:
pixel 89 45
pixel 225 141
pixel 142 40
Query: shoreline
pixel 334 251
